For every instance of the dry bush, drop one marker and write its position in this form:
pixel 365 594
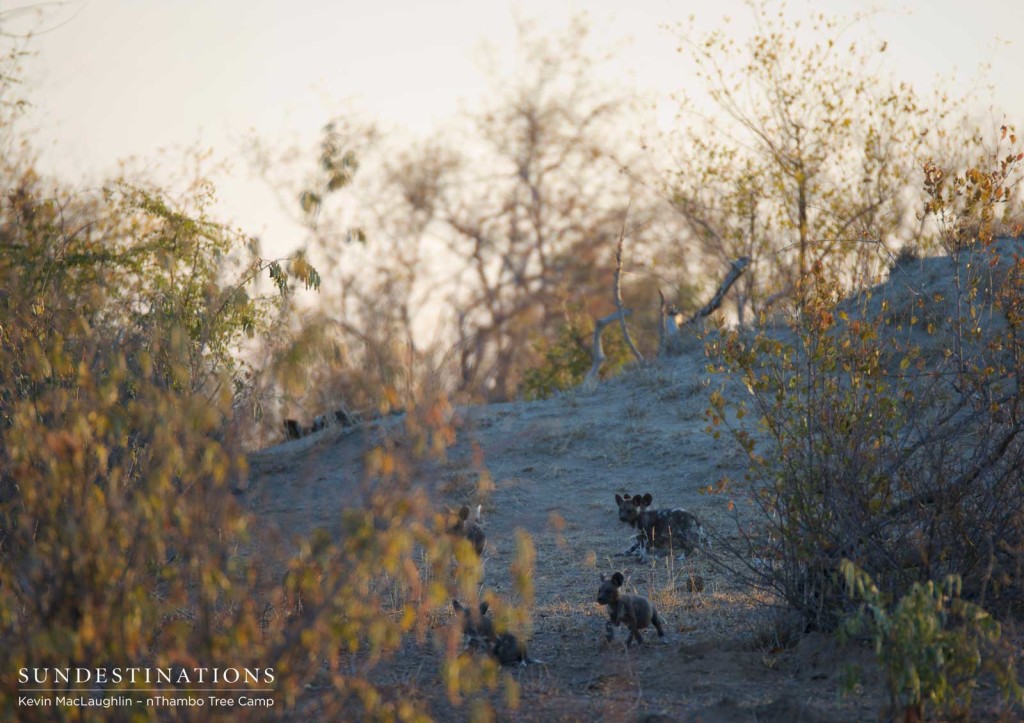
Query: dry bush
pixel 804 152
pixel 905 461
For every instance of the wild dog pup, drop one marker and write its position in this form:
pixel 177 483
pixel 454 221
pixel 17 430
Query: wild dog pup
pixel 471 530
pixel 634 611
pixel 478 630
pixel 676 529
pixel 509 650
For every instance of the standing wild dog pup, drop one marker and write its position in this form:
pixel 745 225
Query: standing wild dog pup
pixel 471 530
pixel 634 611
pixel 664 529
pixel 478 630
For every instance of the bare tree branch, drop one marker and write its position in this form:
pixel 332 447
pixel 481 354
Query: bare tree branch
pixel 737 268
pixel 618 288
pixel 597 353
pixel 670 330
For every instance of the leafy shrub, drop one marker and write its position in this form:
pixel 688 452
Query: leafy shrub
pixel 121 543
pixel 932 644
pixel 116 518
pixel 888 429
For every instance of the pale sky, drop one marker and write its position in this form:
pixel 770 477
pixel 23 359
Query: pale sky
pixel 119 78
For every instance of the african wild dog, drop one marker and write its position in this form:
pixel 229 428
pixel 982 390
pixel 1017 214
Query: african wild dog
pixel 472 531
pixel 674 529
pixel 634 611
pixel 477 628
pixel 479 633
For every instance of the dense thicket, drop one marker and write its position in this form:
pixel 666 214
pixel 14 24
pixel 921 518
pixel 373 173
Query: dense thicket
pixel 138 357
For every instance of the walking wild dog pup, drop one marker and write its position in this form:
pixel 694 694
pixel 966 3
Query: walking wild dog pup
pixel 676 528
pixel 478 630
pixel 471 530
pixel 634 611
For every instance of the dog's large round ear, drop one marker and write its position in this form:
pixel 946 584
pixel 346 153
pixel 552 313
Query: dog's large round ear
pixel 464 513
pixel 618 499
pixel 617 579
pixel 647 499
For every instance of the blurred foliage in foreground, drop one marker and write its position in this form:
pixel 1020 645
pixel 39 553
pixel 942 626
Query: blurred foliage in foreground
pixel 122 318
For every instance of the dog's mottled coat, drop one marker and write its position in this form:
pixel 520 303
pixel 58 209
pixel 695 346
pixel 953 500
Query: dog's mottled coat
pixel 674 529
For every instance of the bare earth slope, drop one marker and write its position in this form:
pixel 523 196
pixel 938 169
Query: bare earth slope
pixel 567 457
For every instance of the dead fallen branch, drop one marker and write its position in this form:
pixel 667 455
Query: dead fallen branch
pixel 597 353
pixel 670 330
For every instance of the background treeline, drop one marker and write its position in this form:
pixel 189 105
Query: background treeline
pixel 475 261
